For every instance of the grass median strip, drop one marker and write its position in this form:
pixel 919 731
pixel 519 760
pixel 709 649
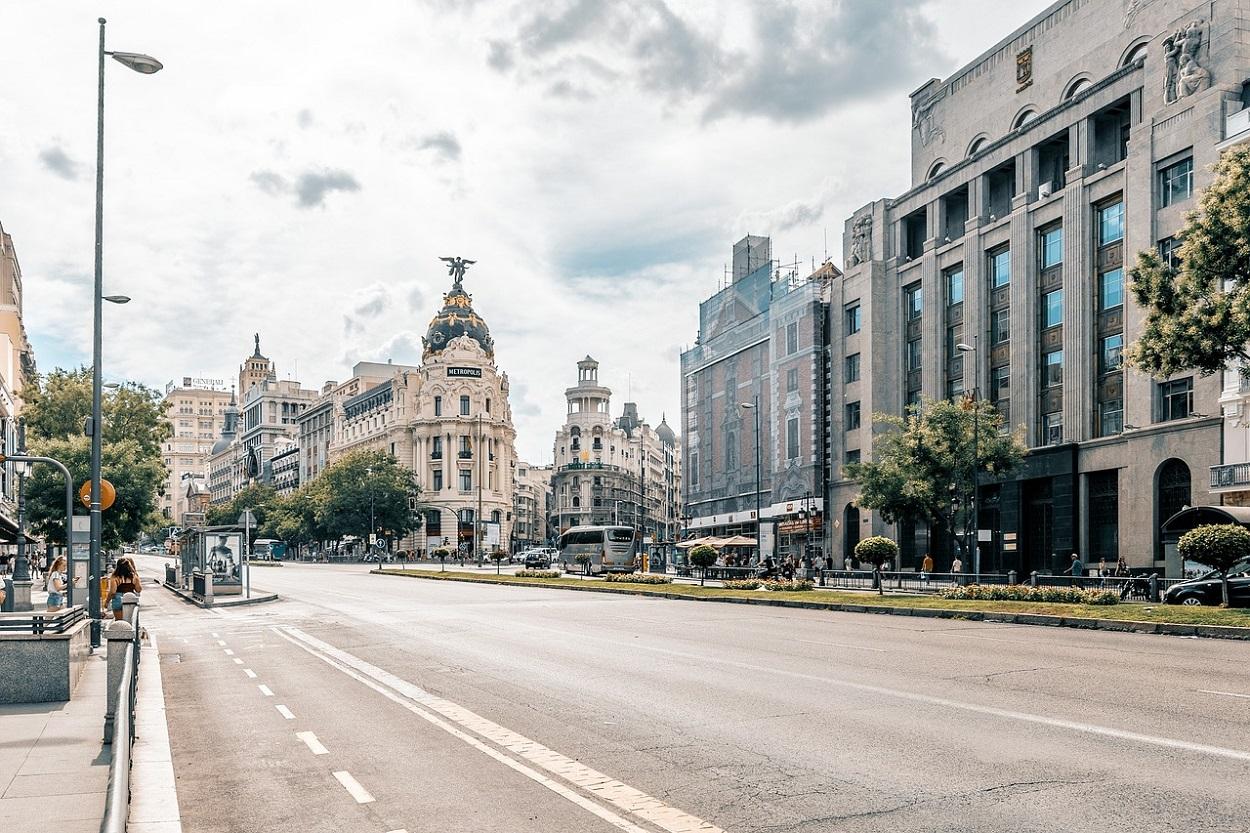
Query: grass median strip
pixel 1158 614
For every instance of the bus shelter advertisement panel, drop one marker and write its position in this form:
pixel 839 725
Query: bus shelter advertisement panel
pixel 225 553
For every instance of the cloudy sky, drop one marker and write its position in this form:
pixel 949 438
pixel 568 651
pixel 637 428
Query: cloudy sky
pixel 298 167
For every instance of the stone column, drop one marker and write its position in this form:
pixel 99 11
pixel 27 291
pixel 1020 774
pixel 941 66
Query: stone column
pixel 119 634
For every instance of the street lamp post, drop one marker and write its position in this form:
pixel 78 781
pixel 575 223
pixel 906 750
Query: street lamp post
pixel 479 530
pixel 754 406
pixel 146 65
pixel 976 452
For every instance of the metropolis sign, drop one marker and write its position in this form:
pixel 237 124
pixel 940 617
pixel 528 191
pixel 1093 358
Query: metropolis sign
pixel 464 372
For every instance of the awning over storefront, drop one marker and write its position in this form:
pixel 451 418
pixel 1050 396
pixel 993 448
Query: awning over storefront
pixel 1196 516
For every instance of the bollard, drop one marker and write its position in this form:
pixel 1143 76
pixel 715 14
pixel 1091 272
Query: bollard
pixel 1011 576
pixel 120 635
pixel 1154 587
pixel 1033 579
pixel 130 604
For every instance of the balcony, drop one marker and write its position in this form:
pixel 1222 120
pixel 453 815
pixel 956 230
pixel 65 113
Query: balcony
pixel 1236 123
pixel 1233 477
pixel 465 455
pixel 436 455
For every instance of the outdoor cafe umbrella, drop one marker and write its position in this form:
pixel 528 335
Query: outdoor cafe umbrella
pixel 738 541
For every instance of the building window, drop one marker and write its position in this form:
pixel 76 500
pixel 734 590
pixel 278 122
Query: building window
pixel 466 480
pixel 1170 252
pixel 852 416
pixel 1052 368
pixel 464 406
pixel 1110 289
pixel 1110 417
pixel 792 438
pixel 955 286
pixel 731 451
pixel 954 389
pixel 1110 223
pixel 792 380
pixel 911 400
pixel 851 373
pixel 1176 183
pixel 1176 399
pixel 913 302
pixel 1104 516
pixel 852 456
pixel 436 448
pixel 1000 326
pixel 1052 309
pixel 1052 428
pixel 488 404
pixel 1052 247
pixel 466 446
pixel 853 319
pixel 792 339
pixel 1110 353
pixel 1000 268
pixel 1000 383
pixel 438 480
pixel 693 469
pixel 913 355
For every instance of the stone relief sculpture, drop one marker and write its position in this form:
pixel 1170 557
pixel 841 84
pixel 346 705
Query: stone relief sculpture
pixel 861 241
pixel 1183 74
pixel 922 118
pixel 1131 10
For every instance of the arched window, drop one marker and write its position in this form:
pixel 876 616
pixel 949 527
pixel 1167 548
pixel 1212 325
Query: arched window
pixel 1172 494
pixel 1026 115
pixel 850 530
pixel 1136 52
pixel 1075 86
pixel 496 516
pixel 936 169
pixel 977 145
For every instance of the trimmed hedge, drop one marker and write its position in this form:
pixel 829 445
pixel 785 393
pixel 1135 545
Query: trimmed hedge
pixel 538 573
pixel 637 578
pixel 1026 593
pixel 743 584
pixel 789 585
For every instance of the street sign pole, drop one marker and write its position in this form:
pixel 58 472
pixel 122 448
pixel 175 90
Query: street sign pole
pixel 247 520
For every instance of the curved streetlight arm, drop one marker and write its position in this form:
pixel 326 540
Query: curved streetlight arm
pixel 69 515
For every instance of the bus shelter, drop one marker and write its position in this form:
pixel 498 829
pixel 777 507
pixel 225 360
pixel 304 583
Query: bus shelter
pixel 215 551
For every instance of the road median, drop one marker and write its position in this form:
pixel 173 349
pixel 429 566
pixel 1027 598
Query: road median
pixel 1134 618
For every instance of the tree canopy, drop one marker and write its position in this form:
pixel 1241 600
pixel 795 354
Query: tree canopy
pixel 922 467
pixel 1198 312
pixel 364 492
pixel 57 404
pixel 1220 546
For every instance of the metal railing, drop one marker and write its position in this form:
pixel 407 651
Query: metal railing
pixel 41 623
pixel 906 579
pixel 1231 474
pixel 117 799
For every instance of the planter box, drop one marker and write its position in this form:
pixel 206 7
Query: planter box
pixel 43 668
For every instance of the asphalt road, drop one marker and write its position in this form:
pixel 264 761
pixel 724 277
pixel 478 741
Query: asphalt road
pixel 456 707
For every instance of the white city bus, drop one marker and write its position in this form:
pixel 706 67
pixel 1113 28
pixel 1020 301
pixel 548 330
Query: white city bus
pixel 611 548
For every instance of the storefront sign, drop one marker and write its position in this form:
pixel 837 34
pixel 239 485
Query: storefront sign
pixel 464 373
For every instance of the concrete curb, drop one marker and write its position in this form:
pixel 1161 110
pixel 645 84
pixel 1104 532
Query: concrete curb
pixel 232 602
pixel 1006 617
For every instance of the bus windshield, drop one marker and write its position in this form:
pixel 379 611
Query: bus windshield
pixel 620 535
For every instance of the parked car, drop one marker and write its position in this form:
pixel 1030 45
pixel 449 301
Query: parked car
pixel 1205 590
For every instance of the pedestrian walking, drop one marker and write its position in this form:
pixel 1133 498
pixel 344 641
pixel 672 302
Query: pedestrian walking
pixel 57 584
pixel 957 568
pixel 1078 569
pixel 1121 567
pixel 125 579
pixel 926 567
pixel 848 564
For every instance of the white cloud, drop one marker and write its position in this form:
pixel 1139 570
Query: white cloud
pixel 597 159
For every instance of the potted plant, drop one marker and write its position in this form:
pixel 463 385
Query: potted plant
pixel 498 556
pixel 442 554
pixel 583 558
pixel 876 550
pixel 703 556
pixel 1220 546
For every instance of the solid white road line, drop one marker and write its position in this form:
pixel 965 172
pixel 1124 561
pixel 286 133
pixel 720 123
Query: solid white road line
pixel 632 801
pixel 264 689
pixel 251 675
pixel 310 740
pixel 1225 693
pixel 285 712
pixel 353 786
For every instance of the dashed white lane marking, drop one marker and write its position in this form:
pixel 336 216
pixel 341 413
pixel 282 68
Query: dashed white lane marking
pixel 632 801
pixel 1225 693
pixel 229 652
pixel 310 740
pixel 284 711
pixel 264 689
pixel 214 634
pixel 238 661
pixel 221 642
pixel 398 831
pixel 353 786
pixel 251 675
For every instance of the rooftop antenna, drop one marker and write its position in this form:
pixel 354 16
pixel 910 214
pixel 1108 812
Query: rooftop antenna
pixel 826 230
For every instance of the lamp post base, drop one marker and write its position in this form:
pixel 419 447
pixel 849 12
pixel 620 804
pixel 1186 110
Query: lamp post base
pixel 21 595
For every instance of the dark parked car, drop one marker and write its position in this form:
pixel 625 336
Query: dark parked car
pixel 1205 590
pixel 536 560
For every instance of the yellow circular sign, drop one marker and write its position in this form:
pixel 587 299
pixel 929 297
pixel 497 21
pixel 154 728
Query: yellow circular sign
pixel 107 494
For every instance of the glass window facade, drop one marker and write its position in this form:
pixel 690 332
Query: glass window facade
pixel 1052 308
pixel 1000 326
pixel 1000 268
pixel 1110 223
pixel 955 286
pixel 1176 399
pixel 1111 353
pixel 1110 289
pixel 1051 245
pixel 913 302
pixel 1052 368
pixel 852 416
pixel 852 368
pixel 853 320
pixel 1176 183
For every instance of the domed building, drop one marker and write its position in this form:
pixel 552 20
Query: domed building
pixel 460 426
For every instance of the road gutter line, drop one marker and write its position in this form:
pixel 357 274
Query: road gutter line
pixel 1225 693
pixel 632 801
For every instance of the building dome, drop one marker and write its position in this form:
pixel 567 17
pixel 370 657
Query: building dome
pixel 665 433
pixel 229 427
pixel 457 318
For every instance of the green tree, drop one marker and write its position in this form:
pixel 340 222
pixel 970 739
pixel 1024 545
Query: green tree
pixel 58 403
pixel 923 466
pixel 364 492
pixel 1198 314
pixel 136 477
pixel 703 556
pixel 876 551
pixel 258 497
pixel 293 518
pixel 1220 546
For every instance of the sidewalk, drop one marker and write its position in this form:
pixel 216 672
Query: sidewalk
pixel 54 766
